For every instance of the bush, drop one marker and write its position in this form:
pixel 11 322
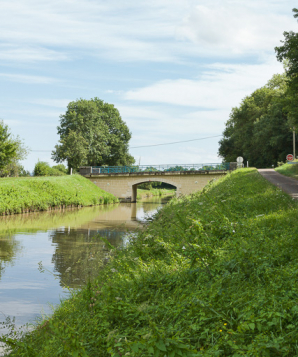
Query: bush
pixel 42 168
pixel 61 168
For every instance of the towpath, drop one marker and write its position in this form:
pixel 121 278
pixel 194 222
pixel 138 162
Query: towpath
pixel 287 184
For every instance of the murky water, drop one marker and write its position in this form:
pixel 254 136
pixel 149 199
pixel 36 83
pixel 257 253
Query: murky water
pixel 43 253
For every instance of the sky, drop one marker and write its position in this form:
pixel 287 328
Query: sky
pixel 173 68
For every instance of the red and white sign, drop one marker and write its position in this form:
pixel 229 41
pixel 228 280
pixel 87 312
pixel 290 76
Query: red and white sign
pixel 290 157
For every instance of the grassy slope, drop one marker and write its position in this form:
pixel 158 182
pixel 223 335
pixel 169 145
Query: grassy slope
pixel 290 170
pixel 154 192
pixel 40 193
pixel 215 274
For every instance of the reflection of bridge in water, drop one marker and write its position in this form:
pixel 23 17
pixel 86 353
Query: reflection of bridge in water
pixel 122 181
pixel 122 216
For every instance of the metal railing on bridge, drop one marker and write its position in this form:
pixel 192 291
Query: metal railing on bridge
pixel 159 168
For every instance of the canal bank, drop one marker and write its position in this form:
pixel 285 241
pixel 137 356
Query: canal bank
pixel 30 194
pixel 214 274
pixel 44 256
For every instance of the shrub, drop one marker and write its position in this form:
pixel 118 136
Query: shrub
pixel 44 169
pixel 41 168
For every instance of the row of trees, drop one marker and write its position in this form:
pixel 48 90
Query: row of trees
pixel 260 129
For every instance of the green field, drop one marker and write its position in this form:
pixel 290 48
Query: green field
pixel 214 274
pixel 25 194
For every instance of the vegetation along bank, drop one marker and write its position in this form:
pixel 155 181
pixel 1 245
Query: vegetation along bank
pixel 290 170
pixel 154 192
pixel 26 194
pixel 214 274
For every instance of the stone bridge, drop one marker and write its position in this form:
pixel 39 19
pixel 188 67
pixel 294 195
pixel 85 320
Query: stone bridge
pixel 122 181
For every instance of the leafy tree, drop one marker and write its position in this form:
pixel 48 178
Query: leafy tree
pixel 92 133
pixel 258 129
pixel 12 149
pixel 288 53
pixel 22 172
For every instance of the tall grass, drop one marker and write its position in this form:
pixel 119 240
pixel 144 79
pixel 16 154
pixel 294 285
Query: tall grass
pixel 214 274
pixel 290 170
pixel 27 194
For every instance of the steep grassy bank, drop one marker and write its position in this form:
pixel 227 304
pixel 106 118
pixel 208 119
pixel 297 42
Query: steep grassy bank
pixel 290 170
pixel 214 274
pixel 25 194
pixel 154 192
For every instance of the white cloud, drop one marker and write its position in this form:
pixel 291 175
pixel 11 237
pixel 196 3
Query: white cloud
pixel 220 86
pixel 28 79
pixel 20 52
pixel 235 26
pixel 58 103
pixel 164 30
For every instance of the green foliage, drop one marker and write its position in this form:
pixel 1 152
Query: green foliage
pixel 153 192
pixel 41 193
pixel 290 170
pixel 214 274
pixel 61 168
pixel 258 130
pixel 11 151
pixel 288 53
pixel 92 133
pixel 149 185
pixel 44 169
pixel 41 168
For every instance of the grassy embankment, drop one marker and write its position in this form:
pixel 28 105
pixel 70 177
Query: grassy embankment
pixel 27 194
pixel 154 192
pixel 290 170
pixel 214 274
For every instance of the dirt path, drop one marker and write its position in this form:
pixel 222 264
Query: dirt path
pixel 287 184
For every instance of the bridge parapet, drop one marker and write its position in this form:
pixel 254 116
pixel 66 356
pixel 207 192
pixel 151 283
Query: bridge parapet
pixel 168 168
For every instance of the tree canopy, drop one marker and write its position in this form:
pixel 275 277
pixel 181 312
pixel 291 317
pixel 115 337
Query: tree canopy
pixel 92 133
pixel 258 129
pixel 288 53
pixel 12 150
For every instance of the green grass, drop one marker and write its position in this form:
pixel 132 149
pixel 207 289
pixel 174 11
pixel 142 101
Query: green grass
pixel 154 192
pixel 26 194
pixel 214 274
pixel 290 170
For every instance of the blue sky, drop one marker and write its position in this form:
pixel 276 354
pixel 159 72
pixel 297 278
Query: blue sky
pixel 174 69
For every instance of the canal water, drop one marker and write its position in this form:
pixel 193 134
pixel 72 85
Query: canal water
pixel 45 255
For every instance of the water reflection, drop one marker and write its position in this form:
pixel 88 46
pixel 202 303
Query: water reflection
pixel 80 253
pixel 8 250
pixel 69 245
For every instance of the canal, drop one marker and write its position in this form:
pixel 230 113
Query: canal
pixel 45 255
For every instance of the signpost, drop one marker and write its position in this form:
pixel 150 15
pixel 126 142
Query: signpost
pixel 239 162
pixel 290 157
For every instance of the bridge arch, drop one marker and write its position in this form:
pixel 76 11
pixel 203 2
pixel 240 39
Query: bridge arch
pixel 133 186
